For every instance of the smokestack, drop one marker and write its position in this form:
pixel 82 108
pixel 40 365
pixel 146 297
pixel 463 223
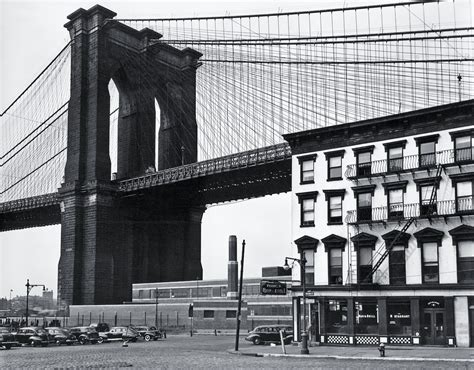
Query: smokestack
pixel 232 269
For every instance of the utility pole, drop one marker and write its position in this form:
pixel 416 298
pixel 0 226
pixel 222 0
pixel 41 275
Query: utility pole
pixel 156 308
pixel 240 297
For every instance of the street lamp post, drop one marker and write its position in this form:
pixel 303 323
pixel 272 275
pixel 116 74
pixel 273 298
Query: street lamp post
pixel 304 334
pixel 28 288
pixel 11 306
pixel 156 308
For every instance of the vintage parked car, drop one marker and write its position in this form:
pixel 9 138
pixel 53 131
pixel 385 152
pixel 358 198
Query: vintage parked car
pixel 270 334
pixel 125 333
pixel 85 334
pixel 32 335
pixel 100 327
pixel 61 336
pixel 7 339
pixel 148 332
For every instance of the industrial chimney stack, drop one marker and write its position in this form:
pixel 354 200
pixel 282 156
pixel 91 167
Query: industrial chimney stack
pixel 232 268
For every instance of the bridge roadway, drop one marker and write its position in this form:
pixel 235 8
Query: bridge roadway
pixel 249 174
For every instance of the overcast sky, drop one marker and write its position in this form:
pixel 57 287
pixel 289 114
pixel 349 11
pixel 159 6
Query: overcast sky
pixel 31 34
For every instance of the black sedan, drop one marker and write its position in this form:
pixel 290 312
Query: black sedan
pixel 85 334
pixel 124 333
pixel 270 334
pixel 61 336
pixel 148 332
pixel 32 335
pixel 7 339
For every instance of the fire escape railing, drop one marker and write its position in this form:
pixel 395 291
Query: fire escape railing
pixel 407 163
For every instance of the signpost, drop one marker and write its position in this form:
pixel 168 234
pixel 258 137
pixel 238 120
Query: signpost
pixel 272 287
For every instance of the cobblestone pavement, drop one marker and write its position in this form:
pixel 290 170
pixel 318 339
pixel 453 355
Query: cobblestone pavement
pixel 181 352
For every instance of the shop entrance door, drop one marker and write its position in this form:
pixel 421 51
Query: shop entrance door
pixel 434 327
pixel 314 328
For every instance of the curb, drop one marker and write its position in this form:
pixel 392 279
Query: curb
pixel 338 357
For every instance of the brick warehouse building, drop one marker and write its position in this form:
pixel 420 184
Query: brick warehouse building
pixel 383 212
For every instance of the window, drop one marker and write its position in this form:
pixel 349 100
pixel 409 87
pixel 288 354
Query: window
pixel 427 150
pixel 426 193
pixel 336 316
pixel 430 268
pixel 365 265
pixel 335 266
pixel 307 169
pixel 307 201
pixel 364 207
pixel 364 164
pixel 208 314
pixel 230 314
pixel 395 155
pixel 395 203
pixel 335 209
pixel 464 191
pixel 335 168
pixel 334 165
pixel 427 154
pixel 463 238
pixel 399 318
pixel 466 261
pixel 366 317
pixel 309 267
pixel 397 265
pixel 464 148
pixel 395 159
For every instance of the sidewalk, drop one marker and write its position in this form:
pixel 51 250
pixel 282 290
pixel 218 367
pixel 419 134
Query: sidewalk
pixel 394 353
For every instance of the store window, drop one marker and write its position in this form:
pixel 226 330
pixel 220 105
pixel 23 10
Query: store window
pixel 366 317
pixel 430 268
pixel 335 266
pixel 397 270
pixel 336 316
pixel 399 318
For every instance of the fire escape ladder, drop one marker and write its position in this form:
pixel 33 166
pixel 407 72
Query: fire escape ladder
pixel 431 209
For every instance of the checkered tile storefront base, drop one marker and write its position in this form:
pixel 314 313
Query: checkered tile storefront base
pixel 399 340
pixel 370 340
pixel 337 339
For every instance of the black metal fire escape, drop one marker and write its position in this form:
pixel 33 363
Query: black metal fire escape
pixel 431 209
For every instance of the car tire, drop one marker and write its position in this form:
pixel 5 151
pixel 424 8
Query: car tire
pixel 33 343
pixel 58 342
pixel 257 341
pixel 8 346
pixel 82 340
pixel 148 337
pixel 100 340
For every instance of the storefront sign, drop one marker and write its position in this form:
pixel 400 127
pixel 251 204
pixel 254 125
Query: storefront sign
pixel 272 287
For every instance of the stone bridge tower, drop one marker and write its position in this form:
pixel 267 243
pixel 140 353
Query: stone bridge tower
pixel 108 242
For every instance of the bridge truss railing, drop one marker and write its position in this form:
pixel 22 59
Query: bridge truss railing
pixel 250 158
